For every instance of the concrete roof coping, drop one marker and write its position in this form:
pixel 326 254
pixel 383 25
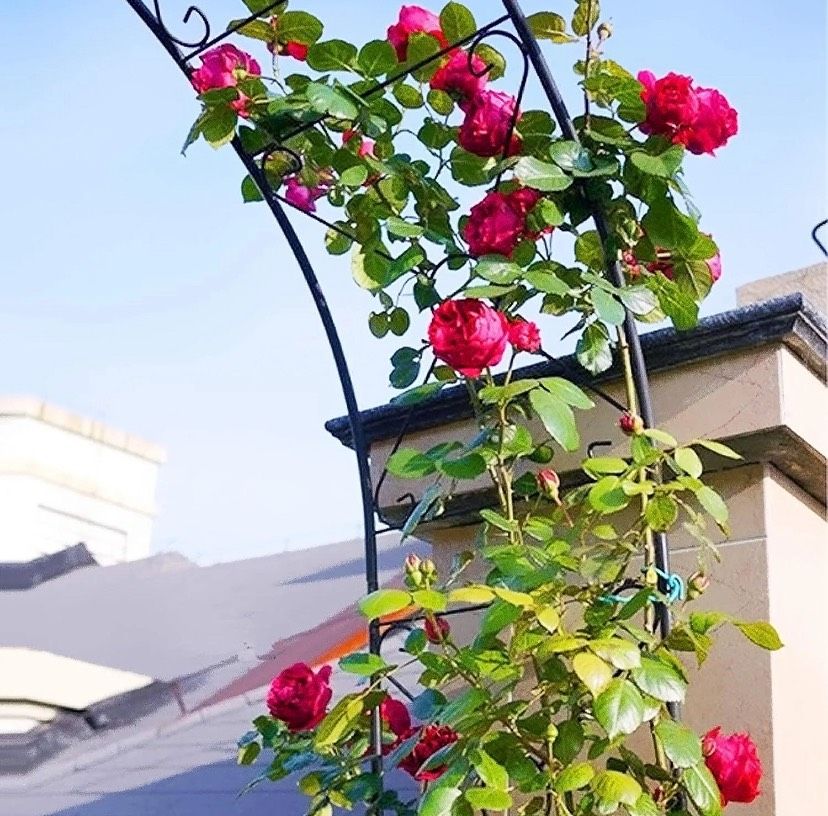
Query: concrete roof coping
pixel 33 408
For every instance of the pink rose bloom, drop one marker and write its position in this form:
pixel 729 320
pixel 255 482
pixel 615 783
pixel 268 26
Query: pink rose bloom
pixel 223 67
pixel 366 146
pixel 734 764
pixel 468 335
pixel 414 20
pixel 299 697
pixel 459 81
pixel 715 123
pixel 302 197
pixel 493 227
pixel 488 123
pixel 672 103
pixel 524 335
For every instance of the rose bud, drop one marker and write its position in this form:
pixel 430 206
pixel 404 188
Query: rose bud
pixel 734 764
pixel 604 31
pixel 413 571
pixel 549 483
pixel 429 570
pixel 697 583
pixel 631 424
pixel 436 629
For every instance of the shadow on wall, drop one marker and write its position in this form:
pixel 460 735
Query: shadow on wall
pixel 213 790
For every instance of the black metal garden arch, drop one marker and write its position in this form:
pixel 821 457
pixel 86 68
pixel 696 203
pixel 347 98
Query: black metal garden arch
pixel 183 49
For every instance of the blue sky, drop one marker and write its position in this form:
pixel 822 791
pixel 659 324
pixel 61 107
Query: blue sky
pixel 138 290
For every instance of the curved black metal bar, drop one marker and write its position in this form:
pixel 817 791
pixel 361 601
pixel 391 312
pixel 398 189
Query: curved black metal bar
pixel 615 274
pixel 360 443
pixel 816 240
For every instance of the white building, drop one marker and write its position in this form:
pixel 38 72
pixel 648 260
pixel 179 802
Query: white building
pixel 66 480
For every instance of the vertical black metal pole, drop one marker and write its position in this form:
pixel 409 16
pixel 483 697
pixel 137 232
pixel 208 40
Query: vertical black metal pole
pixel 320 302
pixel 639 367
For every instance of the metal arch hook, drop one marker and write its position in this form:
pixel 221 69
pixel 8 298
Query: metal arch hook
pixel 593 446
pixel 192 10
pixel 816 240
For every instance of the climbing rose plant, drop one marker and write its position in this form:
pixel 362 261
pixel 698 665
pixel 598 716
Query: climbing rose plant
pixel 537 713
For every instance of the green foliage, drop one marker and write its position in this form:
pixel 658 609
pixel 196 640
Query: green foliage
pixel 562 670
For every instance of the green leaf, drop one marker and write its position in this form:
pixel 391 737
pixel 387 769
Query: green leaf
pixel 638 299
pixel 336 243
pixel 421 46
pixel 589 251
pixel 569 741
pixel 619 709
pixel 501 522
pixel 682 746
pixel 711 501
pixel 662 165
pixel 472 595
pixel 416 642
pixel 429 599
pixel 676 304
pixel 339 721
pixel 325 99
pixel 761 633
pixel 497 269
pixel 593 351
pixel 660 436
pixel 593 672
pixel 438 802
pixel 377 57
pixel 621 653
pixel 661 512
pixel 408 96
pixel 363 664
pixel 557 418
pixel 469 169
pixel 567 391
pixel 466 467
pixel 491 773
pixel 218 125
pixel 666 227
pixel 298 26
pixel 574 777
pixel 717 447
pixel 440 102
pixel 688 460
pixel 408 463
pixel 547 25
pixel 585 16
pixel 428 499
pixel 703 790
pixel 384 602
pixel 660 680
pixel 332 55
pixel 541 175
pixel 545 280
pixel 498 616
pixel 605 464
pixel 488 798
pixel 549 618
pixel 248 753
pixel 607 307
pixel 607 495
pixel 457 22
pixel 354 176
pixel 249 190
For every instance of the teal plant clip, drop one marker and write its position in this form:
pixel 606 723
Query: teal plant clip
pixel 676 590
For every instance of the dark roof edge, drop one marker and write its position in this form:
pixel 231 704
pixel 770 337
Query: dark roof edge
pixel 789 318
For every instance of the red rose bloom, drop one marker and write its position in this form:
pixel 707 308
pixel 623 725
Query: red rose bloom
pixel 223 67
pixel 432 739
pixel 524 335
pixel 458 79
pixel 436 631
pixel 672 103
pixel 734 764
pixel 715 123
pixel 299 697
pixel 489 121
pixel 414 20
pixel 395 715
pixel 494 227
pixel 468 335
pixel 523 200
pixel 699 118
pixel 296 50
